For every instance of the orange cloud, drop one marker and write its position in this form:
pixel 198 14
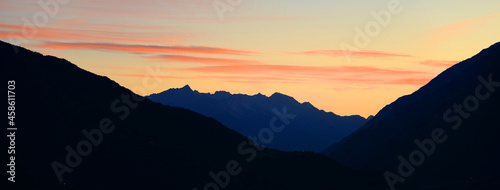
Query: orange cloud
pixel 10 26
pixel 204 60
pixel 254 79
pixel 279 74
pixel 120 68
pixel 146 48
pixel 343 75
pixel 438 63
pixel 311 74
pixel 341 53
pixel 411 81
pixel 93 33
pixel 231 79
pixel 147 76
pixel 303 70
pixel 82 23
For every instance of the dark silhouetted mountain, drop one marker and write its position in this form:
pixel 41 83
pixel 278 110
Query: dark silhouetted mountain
pixel 460 107
pixel 110 138
pixel 310 130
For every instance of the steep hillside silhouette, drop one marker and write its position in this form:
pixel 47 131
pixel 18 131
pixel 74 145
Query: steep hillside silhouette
pixel 460 107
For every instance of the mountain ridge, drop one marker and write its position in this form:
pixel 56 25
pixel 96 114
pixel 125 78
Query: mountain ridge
pixel 311 130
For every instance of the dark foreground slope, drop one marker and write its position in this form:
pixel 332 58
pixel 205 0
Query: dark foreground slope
pixel 144 145
pixel 310 129
pixel 453 120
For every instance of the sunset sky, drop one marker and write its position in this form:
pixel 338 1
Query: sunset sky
pixel 310 50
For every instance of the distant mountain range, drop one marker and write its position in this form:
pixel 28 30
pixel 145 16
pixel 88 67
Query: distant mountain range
pixel 77 130
pixel 307 128
pixel 446 135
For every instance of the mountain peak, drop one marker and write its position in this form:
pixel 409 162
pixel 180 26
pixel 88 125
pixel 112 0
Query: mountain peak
pixel 187 87
pixel 282 97
pixel 307 104
pixel 277 94
pixel 220 95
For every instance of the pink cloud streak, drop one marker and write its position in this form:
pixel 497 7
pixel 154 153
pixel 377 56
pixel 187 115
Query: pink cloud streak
pixel 147 48
pixel 340 53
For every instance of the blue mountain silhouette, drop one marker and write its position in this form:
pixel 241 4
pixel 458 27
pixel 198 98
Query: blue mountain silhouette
pixel 310 129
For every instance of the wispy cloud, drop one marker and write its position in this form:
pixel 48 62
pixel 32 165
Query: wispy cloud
pixel 341 53
pixel 133 48
pixel 203 60
pixel 253 79
pixel 83 23
pixel 92 33
pixel 115 68
pixel 280 74
pixel 230 79
pixel 303 70
pixel 438 63
pixel 313 74
pixel 147 76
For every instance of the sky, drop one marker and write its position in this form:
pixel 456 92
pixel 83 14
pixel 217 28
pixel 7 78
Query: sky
pixel 349 57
